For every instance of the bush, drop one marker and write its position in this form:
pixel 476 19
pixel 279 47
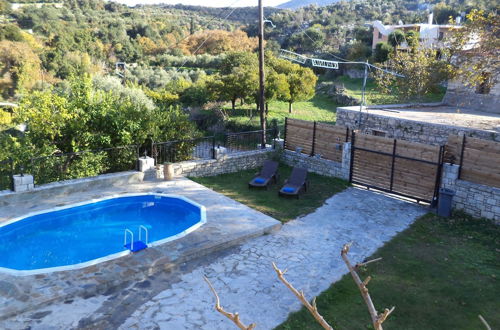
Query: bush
pixel 396 37
pixel 382 51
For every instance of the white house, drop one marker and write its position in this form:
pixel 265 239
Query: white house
pixel 431 35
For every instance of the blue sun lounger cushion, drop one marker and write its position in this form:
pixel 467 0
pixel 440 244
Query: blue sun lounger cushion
pixel 288 189
pixel 259 180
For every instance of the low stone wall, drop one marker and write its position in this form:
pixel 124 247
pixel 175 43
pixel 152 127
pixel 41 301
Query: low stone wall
pixel 459 95
pixel 319 165
pixel 224 164
pixel 405 129
pixel 62 188
pixel 472 198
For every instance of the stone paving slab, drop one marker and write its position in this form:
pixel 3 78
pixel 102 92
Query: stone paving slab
pixel 228 223
pixel 309 247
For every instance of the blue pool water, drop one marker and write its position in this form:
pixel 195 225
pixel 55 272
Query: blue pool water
pixel 86 232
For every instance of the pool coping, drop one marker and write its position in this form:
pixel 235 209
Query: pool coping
pixel 228 224
pixel 15 272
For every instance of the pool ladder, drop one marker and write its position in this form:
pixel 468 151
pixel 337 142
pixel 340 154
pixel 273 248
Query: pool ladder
pixel 139 245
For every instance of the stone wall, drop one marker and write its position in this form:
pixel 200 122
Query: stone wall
pixel 405 129
pixel 472 198
pixel 319 165
pixel 23 182
pixel 224 164
pixel 62 188
pixel 459 95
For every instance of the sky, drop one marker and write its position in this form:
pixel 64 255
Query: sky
pixel 206 3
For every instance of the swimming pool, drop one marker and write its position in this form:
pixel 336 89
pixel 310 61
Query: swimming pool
pixel 84 234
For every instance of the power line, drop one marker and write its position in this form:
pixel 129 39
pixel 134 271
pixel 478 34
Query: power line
pixel 352 62
pixel 319 62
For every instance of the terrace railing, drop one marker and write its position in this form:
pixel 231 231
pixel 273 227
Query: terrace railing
pixel 65 166
pixel 207 147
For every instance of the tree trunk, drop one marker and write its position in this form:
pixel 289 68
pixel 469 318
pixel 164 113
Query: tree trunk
pixel 267 108
pixel 233 103
pixel 241 102
pixel 289 107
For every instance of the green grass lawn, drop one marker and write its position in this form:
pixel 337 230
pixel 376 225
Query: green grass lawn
pixel 354 87
pixel 320 108
pixel 440 274
pixel 235 186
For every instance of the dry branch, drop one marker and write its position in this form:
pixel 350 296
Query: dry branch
pixel 361 264
pixel 484 322
pixel 235 317
pixel 377 319
pixel 311 307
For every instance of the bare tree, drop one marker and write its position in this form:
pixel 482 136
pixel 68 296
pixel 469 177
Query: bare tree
pixel 487 326
pixel 235 317
pixel 377 319
pixel 313 309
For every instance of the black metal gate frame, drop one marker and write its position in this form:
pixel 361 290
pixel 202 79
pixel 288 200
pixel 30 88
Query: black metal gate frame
pixel 439 165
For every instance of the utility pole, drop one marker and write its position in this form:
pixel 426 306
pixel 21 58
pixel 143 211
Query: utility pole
pixel 261 76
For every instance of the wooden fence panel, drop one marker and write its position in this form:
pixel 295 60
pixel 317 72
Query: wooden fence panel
pixel 401 167
pixel 417 150
pixel 328 141
pixel 479 159
pixel 299 133
pixel 316 138
pixel 371 169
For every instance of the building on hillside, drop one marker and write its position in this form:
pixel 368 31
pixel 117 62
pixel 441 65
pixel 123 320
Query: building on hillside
pixel 431 35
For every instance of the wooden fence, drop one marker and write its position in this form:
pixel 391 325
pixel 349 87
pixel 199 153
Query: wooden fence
pixel 406 168
pixel 315 138
pixel 402 167
pixel 479 160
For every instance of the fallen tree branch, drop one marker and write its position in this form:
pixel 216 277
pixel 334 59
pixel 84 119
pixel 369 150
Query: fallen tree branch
pixel 361 264
pixel 484 322
pixel 300 295
pixel 234 317
pixel 377 319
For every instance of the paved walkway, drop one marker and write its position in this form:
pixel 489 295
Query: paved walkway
pixel 309 247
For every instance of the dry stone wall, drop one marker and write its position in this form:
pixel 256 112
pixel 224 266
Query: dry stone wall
pixel 472 198
pixel 320 165
pixel 459 95
pixel 224 164
pixel 409 130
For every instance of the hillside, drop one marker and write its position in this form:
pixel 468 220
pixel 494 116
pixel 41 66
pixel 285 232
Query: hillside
pixel 295 4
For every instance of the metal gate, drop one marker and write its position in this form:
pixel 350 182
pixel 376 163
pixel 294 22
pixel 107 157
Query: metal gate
pixel 408 169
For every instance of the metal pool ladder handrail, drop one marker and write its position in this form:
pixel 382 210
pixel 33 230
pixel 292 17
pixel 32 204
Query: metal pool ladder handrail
pixel 140 234
pixel 131 238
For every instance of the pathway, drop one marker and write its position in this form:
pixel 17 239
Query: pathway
pixel 309 247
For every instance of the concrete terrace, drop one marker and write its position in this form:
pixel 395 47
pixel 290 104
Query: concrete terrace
pixel 438 114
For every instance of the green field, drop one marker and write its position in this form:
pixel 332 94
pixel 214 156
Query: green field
pixel 354 88
pixel 320 108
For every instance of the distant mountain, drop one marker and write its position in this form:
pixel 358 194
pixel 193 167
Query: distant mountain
pixel 294 4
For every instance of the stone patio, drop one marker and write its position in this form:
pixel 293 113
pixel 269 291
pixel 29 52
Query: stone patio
pixel 179 298
pixel 228 223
